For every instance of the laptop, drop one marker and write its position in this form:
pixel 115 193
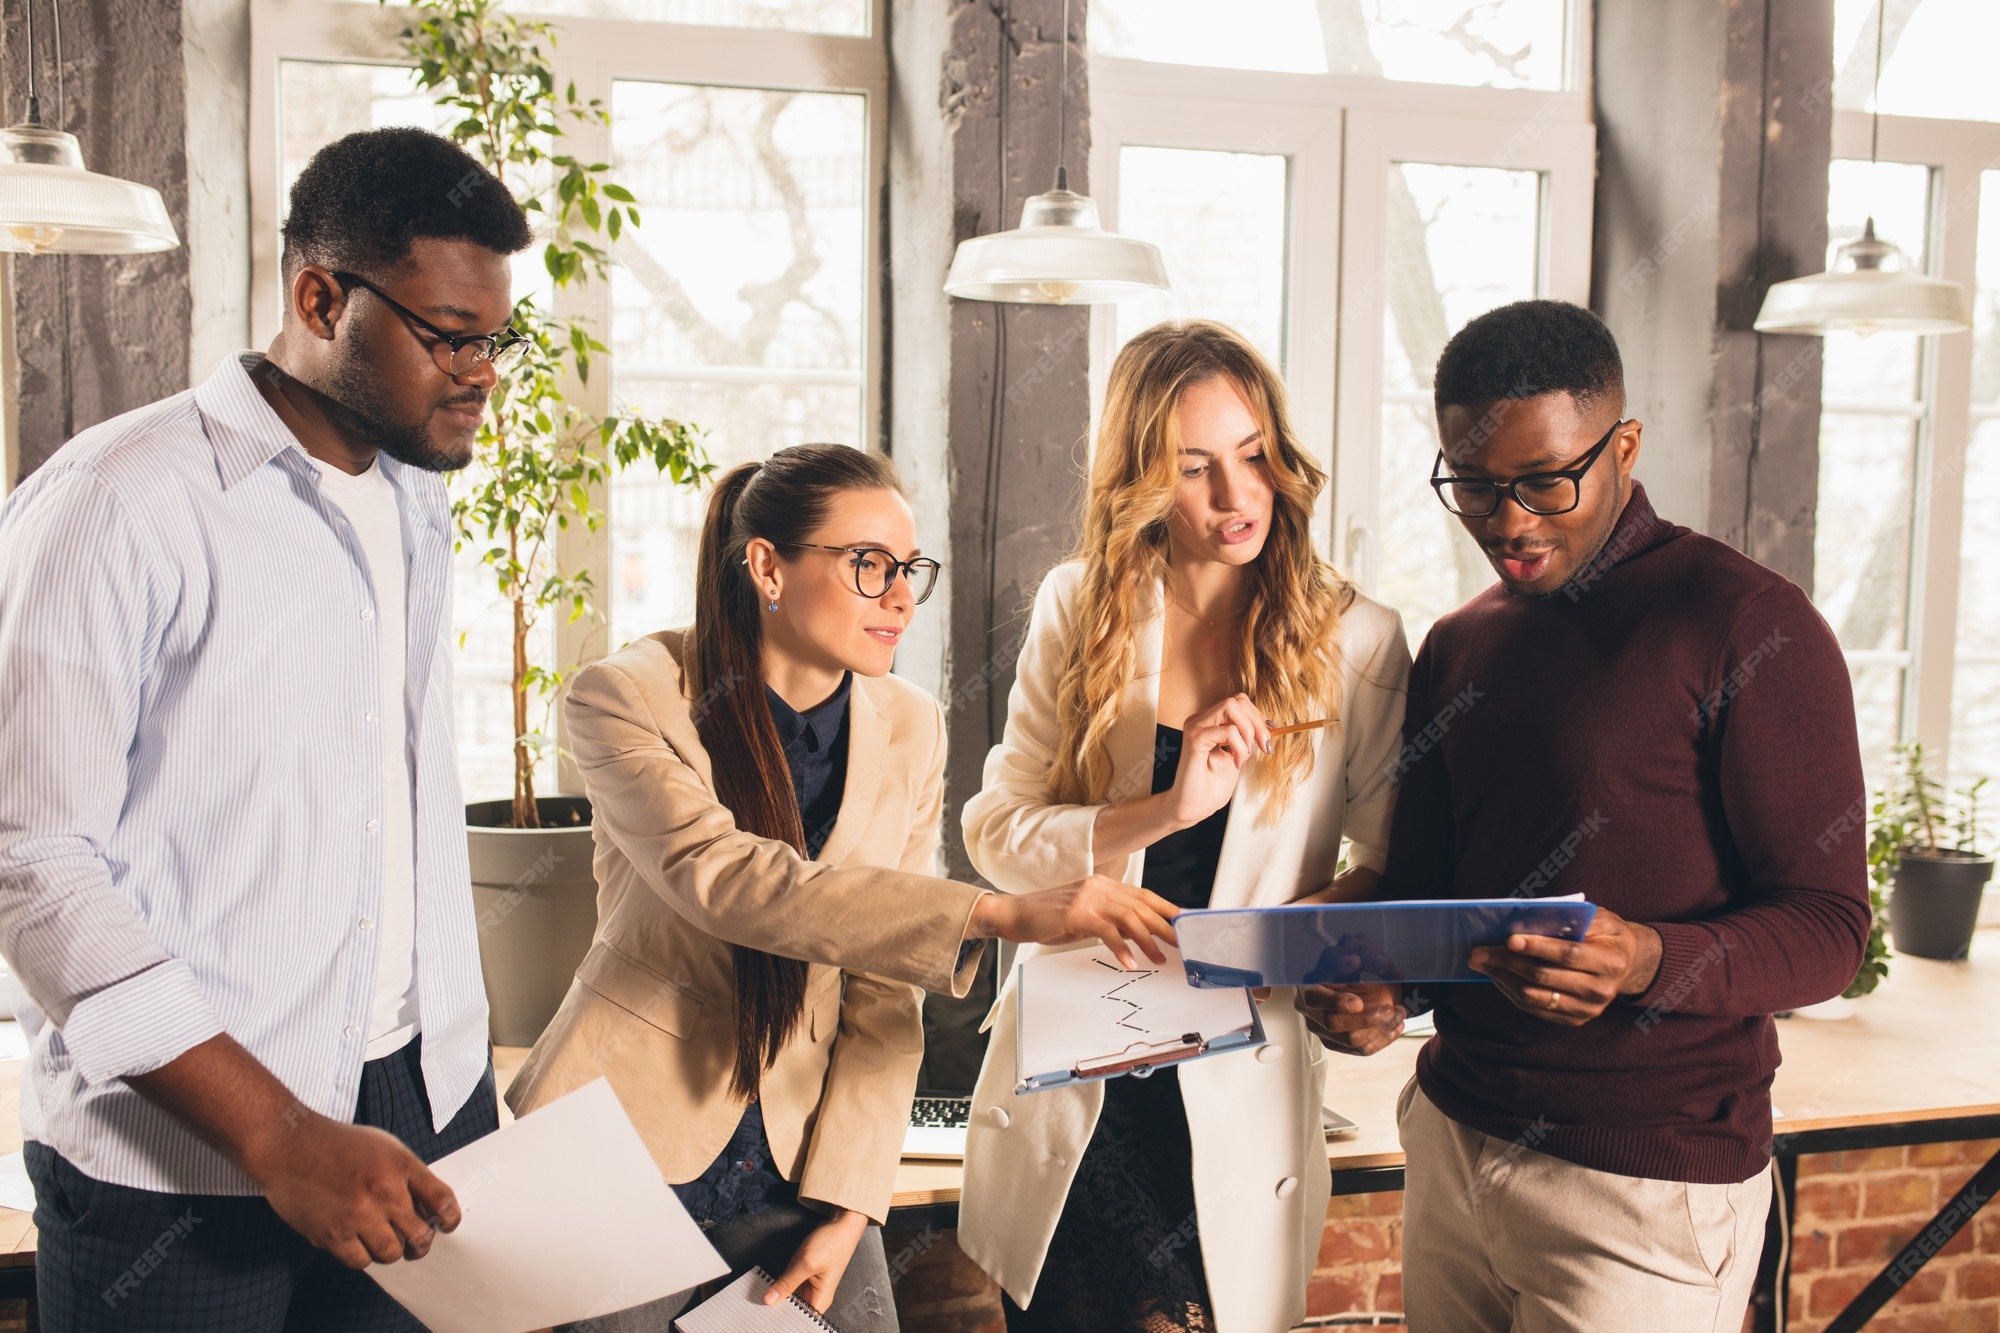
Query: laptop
pixel 938 1121
pixel 937 1126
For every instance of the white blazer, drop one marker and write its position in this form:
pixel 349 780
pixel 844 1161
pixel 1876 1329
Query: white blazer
pixel 1261 1182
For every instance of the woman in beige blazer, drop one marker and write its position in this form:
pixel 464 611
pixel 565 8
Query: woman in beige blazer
pixel 1138 742
pixel 765 801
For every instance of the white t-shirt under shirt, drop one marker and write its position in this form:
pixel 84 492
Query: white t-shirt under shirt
pixel 369 502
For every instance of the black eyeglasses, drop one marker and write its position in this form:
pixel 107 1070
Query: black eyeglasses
pixel 457 354
pixel 1543 493
pixel 875 570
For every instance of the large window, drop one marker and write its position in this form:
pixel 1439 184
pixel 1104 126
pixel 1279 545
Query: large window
pixel 742 304
pixel 1907 553
pixel 1347 213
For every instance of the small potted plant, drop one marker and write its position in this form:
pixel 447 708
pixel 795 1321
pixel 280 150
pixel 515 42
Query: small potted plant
pixel 1926 842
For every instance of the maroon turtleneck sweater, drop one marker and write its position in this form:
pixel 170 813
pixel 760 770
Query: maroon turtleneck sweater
pixel 1672 735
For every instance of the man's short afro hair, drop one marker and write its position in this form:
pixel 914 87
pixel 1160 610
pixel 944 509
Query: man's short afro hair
pixel 1527 349
pixel 363 198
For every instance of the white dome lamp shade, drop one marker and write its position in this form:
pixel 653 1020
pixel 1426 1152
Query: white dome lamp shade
pixel 1059 255
pixel 1870 289
pixel 1872 286
pixel 50 205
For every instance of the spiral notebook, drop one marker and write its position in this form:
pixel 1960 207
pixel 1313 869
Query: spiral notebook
pixel 739 1308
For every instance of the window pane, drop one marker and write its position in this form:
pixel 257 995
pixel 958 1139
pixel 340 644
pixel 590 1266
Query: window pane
pixel 1878 708
pixel 1475 43
pixel 1461 240
pixel 1936 57
pixel 1219 219
pixel 1975 685
pixel 1872 410
pixel 1897 195
pixel 319 102
pixel 847 17
pixel 738 305
pixel 1861 550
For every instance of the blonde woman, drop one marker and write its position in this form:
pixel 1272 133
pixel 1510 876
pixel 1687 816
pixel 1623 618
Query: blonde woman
pixel 1138 743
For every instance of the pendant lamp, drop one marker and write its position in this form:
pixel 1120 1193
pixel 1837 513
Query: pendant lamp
pixel 1872 286
pixel 1059 255
pixel 50 205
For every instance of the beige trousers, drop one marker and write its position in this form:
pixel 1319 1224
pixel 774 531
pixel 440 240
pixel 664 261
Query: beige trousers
pixel 1500 1238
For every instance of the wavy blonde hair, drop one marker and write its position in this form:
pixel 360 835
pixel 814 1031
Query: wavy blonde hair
pixel 1287 655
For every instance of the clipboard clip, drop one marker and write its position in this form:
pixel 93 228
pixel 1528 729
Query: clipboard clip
pixel 1141 1057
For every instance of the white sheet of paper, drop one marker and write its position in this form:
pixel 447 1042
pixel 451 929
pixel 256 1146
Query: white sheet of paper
pixel 16 1190
pixel 566 1218
pixel 1080 1005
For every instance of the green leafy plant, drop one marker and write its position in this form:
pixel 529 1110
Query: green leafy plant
pixel 1913 815
pixel 539 459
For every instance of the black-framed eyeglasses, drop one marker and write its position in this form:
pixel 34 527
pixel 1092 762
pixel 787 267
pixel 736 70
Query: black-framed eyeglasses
pixel 875 570
pixel 457 354
pixel 1543 493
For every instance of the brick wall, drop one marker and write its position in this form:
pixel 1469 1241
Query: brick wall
pixel 1855 1211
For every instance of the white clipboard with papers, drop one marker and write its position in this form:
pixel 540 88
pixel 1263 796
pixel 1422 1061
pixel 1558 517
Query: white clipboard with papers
pixel 1079 1016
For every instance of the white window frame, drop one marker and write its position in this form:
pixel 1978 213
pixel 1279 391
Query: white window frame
pixel 1957 152
pixel 1341 133
pixel 593 53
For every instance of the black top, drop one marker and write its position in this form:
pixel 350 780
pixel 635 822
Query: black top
pixel 1125 1253
pixel 742 1179
pixel 815 744
pixel 1181 866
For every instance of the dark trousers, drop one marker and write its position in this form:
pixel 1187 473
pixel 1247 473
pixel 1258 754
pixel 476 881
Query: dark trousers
pixel 112 1258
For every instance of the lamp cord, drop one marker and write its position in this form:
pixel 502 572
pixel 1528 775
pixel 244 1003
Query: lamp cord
pixel 62 97
pixel 1875 93
pixel 1062 108
pixel 34 116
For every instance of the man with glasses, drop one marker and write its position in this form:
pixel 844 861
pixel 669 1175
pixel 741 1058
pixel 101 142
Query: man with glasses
pixel 232 855
pixel 1666 727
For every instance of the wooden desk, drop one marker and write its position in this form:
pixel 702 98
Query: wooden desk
pixel 1918 1062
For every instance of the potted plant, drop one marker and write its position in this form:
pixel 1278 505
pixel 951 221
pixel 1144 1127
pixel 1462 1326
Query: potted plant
pixel 538 462
pixel 1925 842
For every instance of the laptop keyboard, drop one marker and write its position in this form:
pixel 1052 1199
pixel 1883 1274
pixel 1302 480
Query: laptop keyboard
pixel 941 1112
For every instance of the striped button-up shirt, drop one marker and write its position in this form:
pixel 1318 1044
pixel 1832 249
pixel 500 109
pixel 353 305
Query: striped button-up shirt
pixel 191 778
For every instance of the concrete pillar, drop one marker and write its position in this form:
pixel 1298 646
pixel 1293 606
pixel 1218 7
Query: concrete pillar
pixel 989 404
pixel 97 335
pixel 1715 131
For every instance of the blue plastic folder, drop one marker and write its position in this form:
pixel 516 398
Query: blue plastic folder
pixel 1322 944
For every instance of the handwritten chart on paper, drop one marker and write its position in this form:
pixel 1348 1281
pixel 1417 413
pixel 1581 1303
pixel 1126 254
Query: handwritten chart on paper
pixel 1080 1006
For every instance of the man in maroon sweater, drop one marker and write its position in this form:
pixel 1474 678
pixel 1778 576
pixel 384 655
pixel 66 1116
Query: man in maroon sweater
pixel 1665 726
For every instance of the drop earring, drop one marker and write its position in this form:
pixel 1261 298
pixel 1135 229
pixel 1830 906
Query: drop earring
pixel 774 603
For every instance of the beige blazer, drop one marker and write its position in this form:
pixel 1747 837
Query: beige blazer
pixel 652 1007
pixel 1260 1169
